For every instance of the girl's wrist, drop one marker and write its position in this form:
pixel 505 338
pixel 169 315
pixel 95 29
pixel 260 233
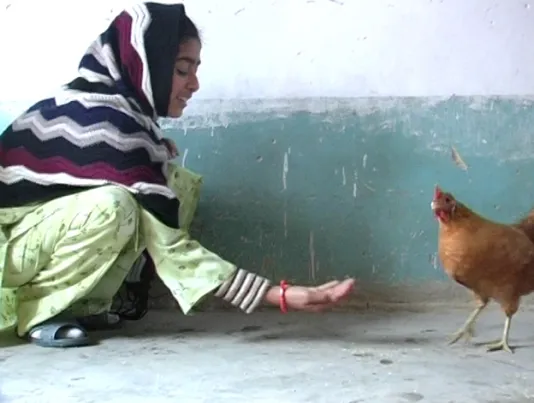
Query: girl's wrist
pixel 272 296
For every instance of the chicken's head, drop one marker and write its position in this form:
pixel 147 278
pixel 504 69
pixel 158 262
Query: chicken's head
pixel 443 204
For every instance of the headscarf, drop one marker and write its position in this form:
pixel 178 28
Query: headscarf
pixel 101 128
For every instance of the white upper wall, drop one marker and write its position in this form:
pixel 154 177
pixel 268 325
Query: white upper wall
pixel 298 48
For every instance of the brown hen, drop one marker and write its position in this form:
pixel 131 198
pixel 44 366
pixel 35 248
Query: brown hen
pixel 493 260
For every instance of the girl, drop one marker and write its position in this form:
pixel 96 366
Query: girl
pixel 84 182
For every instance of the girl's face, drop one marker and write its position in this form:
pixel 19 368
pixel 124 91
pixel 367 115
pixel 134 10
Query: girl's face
pixel 184 80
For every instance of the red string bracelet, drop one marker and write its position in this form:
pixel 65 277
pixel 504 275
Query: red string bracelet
pixel 283 302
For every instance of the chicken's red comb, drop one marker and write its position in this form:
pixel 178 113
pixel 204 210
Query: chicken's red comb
pixel 437 192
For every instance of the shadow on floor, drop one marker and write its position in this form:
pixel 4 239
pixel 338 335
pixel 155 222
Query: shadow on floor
pixel 258 328
pixel 262 328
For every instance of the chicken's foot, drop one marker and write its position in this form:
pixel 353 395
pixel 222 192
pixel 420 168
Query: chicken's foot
pixel 503 343
pixel 468 329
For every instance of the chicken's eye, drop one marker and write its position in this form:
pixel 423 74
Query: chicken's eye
pixel 447 200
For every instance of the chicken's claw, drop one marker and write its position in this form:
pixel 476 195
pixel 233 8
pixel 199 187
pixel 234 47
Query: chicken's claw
pixel 503 343
pixel 467 332
pixel 499 345
pixel 468 329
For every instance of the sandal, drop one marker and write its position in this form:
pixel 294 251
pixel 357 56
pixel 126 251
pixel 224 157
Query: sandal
pixel 55 334
pixel 102 321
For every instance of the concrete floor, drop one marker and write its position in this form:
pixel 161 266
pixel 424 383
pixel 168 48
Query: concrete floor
pixel 375 357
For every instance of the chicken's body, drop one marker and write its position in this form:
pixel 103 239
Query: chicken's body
pixel 527 225
pixel 494 260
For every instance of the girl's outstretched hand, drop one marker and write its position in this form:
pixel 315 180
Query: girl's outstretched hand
pixel 313 299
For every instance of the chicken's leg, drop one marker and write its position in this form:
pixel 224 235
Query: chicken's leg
pixel 468 329
pixel 503 343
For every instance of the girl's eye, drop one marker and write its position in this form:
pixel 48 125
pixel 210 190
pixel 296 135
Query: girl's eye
pixel 181 73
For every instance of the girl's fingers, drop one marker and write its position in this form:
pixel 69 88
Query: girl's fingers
pixel 325 286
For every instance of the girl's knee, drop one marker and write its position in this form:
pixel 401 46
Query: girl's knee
pixel 112 208
pixel 114 197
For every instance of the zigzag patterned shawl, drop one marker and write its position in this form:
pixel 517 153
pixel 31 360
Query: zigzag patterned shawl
pixel 101 127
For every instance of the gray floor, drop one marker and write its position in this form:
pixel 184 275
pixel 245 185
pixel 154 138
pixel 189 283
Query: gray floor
pixel 376 357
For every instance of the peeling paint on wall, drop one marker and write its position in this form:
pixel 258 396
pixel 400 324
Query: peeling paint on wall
pixel 497 127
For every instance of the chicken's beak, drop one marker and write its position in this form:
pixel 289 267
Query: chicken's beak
pixel 433 205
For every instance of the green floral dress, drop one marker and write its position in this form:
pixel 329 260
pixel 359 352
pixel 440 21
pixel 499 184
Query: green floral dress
pixel 73 253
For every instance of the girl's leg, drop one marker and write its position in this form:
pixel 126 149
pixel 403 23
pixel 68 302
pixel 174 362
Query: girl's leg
pixel 70 256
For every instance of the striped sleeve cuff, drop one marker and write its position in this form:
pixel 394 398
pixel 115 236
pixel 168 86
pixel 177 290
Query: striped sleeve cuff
pixel 244 290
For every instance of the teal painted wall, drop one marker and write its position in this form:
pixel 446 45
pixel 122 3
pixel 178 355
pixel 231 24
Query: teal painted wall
pixel 318 225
